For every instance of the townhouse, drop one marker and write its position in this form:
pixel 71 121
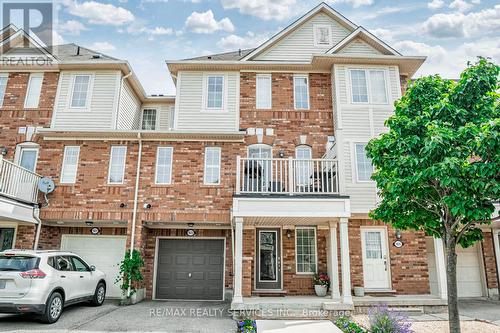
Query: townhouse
pixel 245 183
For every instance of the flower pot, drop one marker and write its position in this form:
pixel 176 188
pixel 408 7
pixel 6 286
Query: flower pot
pixel 320 290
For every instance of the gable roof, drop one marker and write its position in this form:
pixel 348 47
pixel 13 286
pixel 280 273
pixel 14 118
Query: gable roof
pixel 369 38
pixel 322 7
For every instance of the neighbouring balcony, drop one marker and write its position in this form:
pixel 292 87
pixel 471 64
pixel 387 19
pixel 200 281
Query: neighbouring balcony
pixel 17 182
pixel 287 176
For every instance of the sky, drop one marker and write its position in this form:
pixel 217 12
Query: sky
pixel 148 32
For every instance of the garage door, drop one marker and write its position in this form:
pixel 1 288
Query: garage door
pixel 104 252
pixel 190 269
pixel 469 273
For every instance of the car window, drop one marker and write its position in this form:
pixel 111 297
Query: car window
pixel 64 264
pixel 51 261
pixel 79 265
pixel 18 263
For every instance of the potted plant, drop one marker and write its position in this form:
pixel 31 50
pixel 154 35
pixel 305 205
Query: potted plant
pixel 321 283
pixel 131 277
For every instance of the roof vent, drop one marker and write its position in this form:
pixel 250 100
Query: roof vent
pixel 96 56
pixel 78 51
pixel 239 52
pixel 209 57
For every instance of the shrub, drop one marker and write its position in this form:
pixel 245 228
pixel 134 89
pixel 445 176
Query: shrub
pixel 130 273
pixel 247 326
pixel 383 320
pixel 348 326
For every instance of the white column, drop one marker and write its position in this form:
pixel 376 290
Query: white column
pixel 238 260
pixel 440 268
pixel 334 262
pixel 345 265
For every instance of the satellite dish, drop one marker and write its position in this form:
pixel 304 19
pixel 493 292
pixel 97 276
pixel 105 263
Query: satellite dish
pixel 46 185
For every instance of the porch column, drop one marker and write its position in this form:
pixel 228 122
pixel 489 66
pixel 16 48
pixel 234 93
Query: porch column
pixel 344 256
pixel 334 262
pixel 440 268
pixel 238 260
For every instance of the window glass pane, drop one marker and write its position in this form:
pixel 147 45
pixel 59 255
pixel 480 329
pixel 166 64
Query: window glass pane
pixel 358 86
pixel 323 35
pixel 79 265
pixel 264 93
pixel 6 238
pixel 306 250
pixel 164 165
pixel 303 168
pixel 301 92
pixel 28 159
pixel 33 92
pixel 80 91
pixel 215 92
pixel 70 164
pixel 212 165
pixel 64 264
pixel 149 119
pixel 373 245
pixel 267 256
pixel 117 164
pixel 377 87
pixel 17 263
pixel 363 163
pixel 3 86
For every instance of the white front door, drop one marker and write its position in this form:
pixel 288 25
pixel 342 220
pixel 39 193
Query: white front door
pixel 375 259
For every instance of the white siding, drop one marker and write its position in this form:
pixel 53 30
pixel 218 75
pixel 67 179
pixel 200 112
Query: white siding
pixel 130 107
pixel 359 47
pixel 358 123
pixel 101 111
pixel 165 115
pixel 190 111
pixel 299 45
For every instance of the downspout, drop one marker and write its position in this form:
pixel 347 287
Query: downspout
pixel 232 245
pixel 136 194
pixel 120 97
pixel 36 216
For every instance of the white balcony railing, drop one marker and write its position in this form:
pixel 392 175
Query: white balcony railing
pixel 286 176
pixel 17 182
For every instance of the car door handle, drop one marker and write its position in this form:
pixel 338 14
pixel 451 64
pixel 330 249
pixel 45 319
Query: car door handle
pixel 81 276
pixel 63 276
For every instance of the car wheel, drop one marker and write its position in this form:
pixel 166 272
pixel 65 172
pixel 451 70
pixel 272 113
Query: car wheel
pixel 53 308
pixel 99 295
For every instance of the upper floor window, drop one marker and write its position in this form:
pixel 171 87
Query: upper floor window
pixel 212 165
pixel 264 91
pixel 33 91
pixel 70 164
pixel 301 92
pixel 28 157
pixel 164 165
pixel 364 167
pixel 322 35
pixel 368 86
pixel 117 164
pixel 80 93
pixel 3 85
pixel 148 119
pixel 215 91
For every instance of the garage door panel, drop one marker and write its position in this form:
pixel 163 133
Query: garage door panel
pixel 469 273
pixel 202 258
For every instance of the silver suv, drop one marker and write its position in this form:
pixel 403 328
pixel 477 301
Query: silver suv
pixel 44 282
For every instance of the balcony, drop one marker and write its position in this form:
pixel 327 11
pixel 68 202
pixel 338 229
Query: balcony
pixel 18 183
pixel 281 176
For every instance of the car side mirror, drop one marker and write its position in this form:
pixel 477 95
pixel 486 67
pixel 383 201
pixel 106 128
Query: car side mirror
pixel 92 268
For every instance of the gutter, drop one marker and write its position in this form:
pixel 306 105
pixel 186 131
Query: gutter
pixel 136 194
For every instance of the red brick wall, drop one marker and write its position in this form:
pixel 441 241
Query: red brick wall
pixel 25 236
pixel 490 262
pixel 50 236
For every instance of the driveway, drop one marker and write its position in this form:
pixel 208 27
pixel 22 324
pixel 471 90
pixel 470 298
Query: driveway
pixel 481 309
pixel 171 317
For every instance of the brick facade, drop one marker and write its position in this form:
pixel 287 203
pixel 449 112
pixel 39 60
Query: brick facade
pixel 490 262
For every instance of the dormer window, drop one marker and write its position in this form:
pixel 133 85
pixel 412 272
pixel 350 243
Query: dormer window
pixel 322 35
pixel 148 120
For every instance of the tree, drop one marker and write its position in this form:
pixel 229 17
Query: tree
pixel 438 167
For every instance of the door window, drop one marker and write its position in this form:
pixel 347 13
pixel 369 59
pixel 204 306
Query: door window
pixel 28 158
pixel 373 245
pixel 64 264
pixel 268 256
pixel 79 265
pixel 6 238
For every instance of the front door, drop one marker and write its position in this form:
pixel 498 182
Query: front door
pixel 375 261
pixel 268 259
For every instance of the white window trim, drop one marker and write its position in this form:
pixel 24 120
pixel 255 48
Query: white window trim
pixel 171 165
pixel 63 165
pixel 4 75
pixel 205 108
pixel 316 41
pixel 296 251
pixel 368 85
pixel 123 169
pixel 257 91
pixel 353 152
pixel 259 145
pixel 89 92
pixel 26 146
pixel 301 76
pixel 205 167
pixel 156 116
pixel 28 87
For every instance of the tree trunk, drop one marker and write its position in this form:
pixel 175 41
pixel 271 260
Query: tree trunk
pixel 451 275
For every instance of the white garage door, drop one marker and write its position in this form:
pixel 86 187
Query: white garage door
pixel 469 273
pixel 104 252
